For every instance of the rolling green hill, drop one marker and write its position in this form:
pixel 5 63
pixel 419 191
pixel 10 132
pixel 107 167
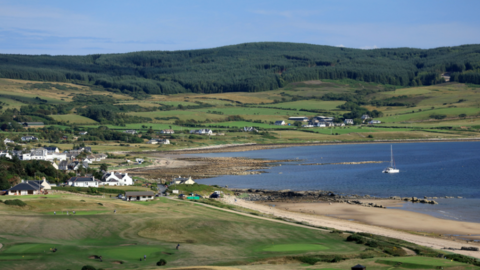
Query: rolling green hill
pixel 249 67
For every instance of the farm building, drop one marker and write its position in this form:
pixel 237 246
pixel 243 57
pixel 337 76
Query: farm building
pixel 167 131
pixel 152 141
pixel 7 140
pixel 299 118
pixel 81 133
pixel 280 123
pixel 375 122
pixel 139 195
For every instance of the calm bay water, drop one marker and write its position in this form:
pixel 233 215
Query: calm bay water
pixel 426 169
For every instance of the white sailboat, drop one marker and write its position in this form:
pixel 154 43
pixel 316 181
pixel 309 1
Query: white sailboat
pixel 392 168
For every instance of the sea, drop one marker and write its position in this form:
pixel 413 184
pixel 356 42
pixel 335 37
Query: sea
pixel 433 169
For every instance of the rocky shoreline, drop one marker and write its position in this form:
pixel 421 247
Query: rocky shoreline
pixel 262 195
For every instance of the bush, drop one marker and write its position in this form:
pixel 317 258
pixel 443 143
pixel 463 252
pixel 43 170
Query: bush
pixel 438 116
pixel 462 115
pixel 161 262
pixel 88 267
pixel 370 136
pixel 309 260
pixel 16 202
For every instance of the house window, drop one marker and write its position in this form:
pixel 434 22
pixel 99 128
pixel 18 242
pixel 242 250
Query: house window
pixel 144 196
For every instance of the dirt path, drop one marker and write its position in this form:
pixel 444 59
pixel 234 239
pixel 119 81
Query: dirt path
pixel 1 245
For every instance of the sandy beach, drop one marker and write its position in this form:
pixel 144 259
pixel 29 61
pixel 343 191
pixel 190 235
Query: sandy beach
pixel 413 227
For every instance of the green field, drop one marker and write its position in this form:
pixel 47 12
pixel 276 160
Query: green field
pixel 153 229
pixel 294 247
pixel 73 119
pixel 308 105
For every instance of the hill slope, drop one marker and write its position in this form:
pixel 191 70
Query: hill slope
pixel 248 67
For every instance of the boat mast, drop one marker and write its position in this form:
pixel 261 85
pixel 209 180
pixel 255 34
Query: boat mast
pixel 391 156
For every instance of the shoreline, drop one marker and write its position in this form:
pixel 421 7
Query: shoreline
pixel 394 223
pixel 254 146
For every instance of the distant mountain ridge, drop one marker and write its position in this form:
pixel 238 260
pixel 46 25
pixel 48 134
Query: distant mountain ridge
pixel 248 67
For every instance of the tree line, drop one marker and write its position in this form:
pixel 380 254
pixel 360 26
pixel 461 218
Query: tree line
pixel 249 67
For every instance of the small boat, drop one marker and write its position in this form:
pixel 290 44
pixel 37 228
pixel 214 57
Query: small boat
pixel 392 168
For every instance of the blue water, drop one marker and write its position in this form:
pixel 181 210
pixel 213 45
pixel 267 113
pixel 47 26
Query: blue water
pixel 426 169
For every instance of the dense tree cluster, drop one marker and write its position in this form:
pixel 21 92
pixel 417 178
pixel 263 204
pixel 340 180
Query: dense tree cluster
pixel 248 67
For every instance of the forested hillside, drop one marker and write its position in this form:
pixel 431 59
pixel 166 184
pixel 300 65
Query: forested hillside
pixel 249 67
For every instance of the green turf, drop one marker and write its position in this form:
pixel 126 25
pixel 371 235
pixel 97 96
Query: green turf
pixel 295 247
pixel 425 261
pixel 307 104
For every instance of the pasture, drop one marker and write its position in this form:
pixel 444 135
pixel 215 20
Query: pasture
pixel 308 105
pixel 73 119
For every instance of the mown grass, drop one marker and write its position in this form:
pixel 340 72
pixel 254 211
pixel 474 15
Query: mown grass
pixel 73 119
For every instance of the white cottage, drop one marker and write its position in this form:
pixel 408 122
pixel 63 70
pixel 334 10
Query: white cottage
pixel 82 181
pixel 139 196
pixel 116 179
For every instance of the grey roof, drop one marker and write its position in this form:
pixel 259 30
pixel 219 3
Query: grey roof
pixel 82 179
pixel 138 193
pixel 29 185
pixel 51 148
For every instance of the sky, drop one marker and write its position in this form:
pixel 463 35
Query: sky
pixel 60 27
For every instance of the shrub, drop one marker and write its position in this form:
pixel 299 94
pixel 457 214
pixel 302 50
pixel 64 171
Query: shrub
pixel 16 202
pixel 462 115
pixel 370 136
pixel 309 260
pixel 88 267
pixel 438 116
pixel 161 262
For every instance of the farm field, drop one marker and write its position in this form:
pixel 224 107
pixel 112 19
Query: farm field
pixel 74 119
pixel 308 105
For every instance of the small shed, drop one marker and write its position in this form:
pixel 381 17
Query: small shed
pixel 359 267
pixel 139 195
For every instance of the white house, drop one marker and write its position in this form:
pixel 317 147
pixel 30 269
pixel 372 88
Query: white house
pixel 365 117
pixel 280 123
pixel 205 131
pixel 152 141
pixel 75 165
pixel 7 140
pixel 308 126
pixel 81 133
pixel 81 181
pixel 26 188
pixel 139 196
pixel 131 131
pixel 29 138
pixel 52 149
pixel 339 124
pixel 164 141
pixel 41 154
pixel 116 179
pixel 139 160
pixel 167 131
pixel 320 124
pixel 63 165
pixel 249 129
pixel 375 122
pixel 348 121
pixel 183 181
pixel 54 165
pixel 5 154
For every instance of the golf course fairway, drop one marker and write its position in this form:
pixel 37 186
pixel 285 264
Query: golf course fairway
pixel 295 247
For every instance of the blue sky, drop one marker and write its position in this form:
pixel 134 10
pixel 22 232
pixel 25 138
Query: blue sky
pixel 88 27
